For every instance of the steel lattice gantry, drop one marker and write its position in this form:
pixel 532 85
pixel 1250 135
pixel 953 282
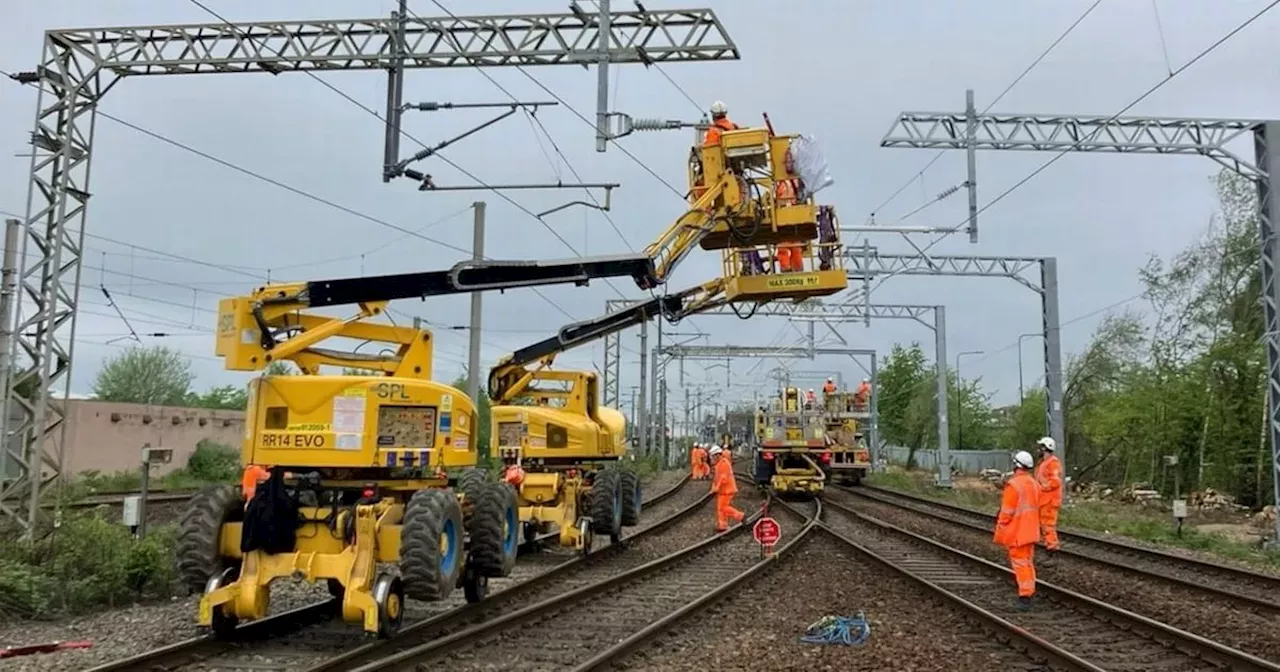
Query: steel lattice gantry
pixel 1140 135
pixel 1040 274
pixel 78 66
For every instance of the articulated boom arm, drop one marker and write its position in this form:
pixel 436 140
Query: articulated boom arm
pixel 683 236
pixel 271 323
pixel 511 377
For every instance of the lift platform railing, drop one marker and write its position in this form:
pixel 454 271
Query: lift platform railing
pixel 767 273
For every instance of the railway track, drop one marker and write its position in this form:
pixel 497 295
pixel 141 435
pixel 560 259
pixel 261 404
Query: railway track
pixel 311 631
pixel 1068 630
pixel 591 626
pixel 1238 587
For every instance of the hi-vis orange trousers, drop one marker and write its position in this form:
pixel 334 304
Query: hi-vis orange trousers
pixel 1024 570
pixel 725 512
pixel 1049 526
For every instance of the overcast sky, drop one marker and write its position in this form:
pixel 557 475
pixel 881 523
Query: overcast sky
pixel 840 71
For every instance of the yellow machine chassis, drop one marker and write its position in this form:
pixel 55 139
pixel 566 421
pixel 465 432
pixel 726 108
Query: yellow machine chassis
pixel 808 480
pixel 319 555
pixel 549 498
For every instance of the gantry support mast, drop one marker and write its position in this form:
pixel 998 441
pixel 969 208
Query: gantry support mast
pixel 1138 135
pixel 79 66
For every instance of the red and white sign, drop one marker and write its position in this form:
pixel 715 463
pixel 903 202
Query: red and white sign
pixel 767 531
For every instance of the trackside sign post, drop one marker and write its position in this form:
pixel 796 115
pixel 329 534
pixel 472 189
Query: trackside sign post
pixel 767 533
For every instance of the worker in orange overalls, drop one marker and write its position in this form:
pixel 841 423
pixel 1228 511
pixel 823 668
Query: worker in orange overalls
pixel 810 398
pixel 1049 476
pixel 863 395
pixel 724 486
pixel 719 124
pixel 790 255
pixel 700 470
pixel 252 475
pixel 829 387
pixel 1018 525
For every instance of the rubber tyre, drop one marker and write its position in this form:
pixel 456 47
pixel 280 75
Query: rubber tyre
pixel 605 503
pixel 470 478
pixel 196 549
pixel 430 567
pixel 493 530
pixel 632 498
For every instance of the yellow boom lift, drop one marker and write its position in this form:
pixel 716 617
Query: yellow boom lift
pixel 365 469
pixel 559 445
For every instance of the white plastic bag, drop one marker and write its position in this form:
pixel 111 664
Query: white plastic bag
pixel 810 164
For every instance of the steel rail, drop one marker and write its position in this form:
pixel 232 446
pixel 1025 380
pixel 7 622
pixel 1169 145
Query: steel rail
pixel 412 658
pixel 1237 577
pixel 289 622
pixel 629 644
pixel 1162 635
pixel 431 627
pixel 945 515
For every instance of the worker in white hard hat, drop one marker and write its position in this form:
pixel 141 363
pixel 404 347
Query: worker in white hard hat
pixel 1018 525
pixel 719 124
pixel 863 396
pixel 1049 476
pixel 701 469
pixel 724 487
pixel 809 399
pixel 829 387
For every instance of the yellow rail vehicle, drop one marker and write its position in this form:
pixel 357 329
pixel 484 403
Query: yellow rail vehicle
pixel 844 414
pixel 801 446
pixel 365 470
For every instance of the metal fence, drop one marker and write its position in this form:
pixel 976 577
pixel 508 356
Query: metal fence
pixel 967 461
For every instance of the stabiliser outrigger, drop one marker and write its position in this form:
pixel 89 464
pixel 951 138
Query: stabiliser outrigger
pixel 364 468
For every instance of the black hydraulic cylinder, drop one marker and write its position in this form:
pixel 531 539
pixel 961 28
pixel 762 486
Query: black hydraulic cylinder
pixel 589 330
pixel 479 276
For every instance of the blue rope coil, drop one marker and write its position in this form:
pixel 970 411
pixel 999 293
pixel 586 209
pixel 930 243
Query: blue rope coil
pixel 838 630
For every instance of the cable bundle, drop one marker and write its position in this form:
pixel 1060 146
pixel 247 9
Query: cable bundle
pixel 838 630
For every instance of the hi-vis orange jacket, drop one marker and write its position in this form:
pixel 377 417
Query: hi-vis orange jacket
pixel 1019 521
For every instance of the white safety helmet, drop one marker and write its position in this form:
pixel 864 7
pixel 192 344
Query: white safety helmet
pixel 866 380
pixel 1023 459
pixel 719 109
pixel 1047 443
pixel 716 450
pixel 829 379
pixel 811 389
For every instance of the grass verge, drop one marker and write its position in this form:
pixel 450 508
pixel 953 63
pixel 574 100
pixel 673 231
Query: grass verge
pixel 1112 518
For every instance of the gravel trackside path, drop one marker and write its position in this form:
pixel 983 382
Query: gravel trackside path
pixel 759 627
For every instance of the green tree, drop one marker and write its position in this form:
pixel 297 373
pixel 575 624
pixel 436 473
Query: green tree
pixel 150 375
pixel 1184 378
pixel 226 397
